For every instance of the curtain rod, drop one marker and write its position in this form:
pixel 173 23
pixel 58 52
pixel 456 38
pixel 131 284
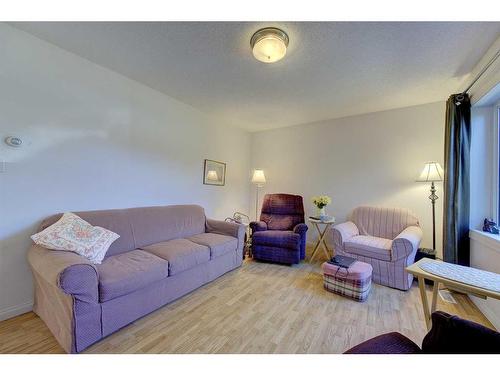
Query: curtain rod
pixel 482 71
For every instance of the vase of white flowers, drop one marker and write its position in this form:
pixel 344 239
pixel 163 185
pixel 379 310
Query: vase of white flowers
pixel 321 202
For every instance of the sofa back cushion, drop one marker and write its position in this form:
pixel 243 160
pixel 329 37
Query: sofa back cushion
pixel 282 211
pixel 382 221
pixel 143 226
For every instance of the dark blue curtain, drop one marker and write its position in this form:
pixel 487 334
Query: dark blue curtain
pixel 456 248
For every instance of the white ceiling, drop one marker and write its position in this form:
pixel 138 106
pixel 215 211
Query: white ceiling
pixel 331 70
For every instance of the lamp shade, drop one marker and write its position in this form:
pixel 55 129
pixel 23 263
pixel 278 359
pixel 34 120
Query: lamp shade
pixel 432 172
pixel 258 177
pixel 212 175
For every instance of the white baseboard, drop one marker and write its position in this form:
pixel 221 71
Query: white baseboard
pixel 487 310
pixel 12 311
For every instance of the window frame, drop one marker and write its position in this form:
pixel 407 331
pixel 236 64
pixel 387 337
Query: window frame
pixel 496 163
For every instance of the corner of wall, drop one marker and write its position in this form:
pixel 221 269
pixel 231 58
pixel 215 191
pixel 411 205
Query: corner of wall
pixel 12 311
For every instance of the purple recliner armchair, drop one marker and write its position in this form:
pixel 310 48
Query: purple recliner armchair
pixel 280 235
pixel 449 335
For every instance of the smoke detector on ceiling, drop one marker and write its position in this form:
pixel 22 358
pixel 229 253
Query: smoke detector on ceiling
pixel 14 141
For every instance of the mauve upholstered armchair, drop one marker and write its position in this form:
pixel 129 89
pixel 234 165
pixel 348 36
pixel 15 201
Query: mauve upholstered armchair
pixel 449 335
pixel 387 238
pixel 280 235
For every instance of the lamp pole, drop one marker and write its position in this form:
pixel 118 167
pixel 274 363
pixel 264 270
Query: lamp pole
pixel 432 172
pixel 433 197
pixel 256 202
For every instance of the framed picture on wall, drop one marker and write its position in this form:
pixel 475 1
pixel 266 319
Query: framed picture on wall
pixel 214 173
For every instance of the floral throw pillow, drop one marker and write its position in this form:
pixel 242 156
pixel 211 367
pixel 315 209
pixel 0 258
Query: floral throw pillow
pixel 100 248
pixel 72 233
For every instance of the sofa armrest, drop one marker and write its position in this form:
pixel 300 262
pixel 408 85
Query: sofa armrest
pixel 258 226
pixel 406 243
pixel 342 232
pixel 70 272
pixel 226 228
pixel 300 229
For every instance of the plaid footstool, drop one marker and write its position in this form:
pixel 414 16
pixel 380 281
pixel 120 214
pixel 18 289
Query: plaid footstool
pixel 354 282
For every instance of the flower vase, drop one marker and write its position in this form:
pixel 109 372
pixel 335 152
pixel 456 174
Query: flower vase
pixel 321 213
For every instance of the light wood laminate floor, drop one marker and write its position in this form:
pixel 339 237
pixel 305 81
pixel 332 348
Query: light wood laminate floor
pixel 258 308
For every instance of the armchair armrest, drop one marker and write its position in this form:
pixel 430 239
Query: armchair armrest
pixel 406 243
pixel 258 226
pixel 300 228
pixel 70 272
pixel 453 335
pixel 342 232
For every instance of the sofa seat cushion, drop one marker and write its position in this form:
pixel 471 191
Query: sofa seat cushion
pixel 371 247
pixel 124 273
pixel 180 253
pixel 286 239
pixel 218 244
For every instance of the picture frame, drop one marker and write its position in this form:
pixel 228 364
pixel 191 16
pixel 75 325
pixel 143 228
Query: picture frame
pixel 214 173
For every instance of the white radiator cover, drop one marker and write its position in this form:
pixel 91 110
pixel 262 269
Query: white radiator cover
pixel 485 254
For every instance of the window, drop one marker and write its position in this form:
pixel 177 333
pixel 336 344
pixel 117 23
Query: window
pixel 496 163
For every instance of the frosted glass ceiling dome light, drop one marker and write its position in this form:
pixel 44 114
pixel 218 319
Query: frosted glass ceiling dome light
pixel 269 44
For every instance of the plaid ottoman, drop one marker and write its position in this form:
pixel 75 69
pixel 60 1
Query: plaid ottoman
pixel 354 282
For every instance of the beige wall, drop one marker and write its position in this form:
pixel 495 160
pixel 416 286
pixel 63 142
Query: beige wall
pixel 96 140
pixel 368 159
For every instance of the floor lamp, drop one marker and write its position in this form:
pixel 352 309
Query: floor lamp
pixel 259 179
pixel 432 173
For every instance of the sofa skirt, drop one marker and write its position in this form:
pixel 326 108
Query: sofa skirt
pixel 123 310
pixel 75 329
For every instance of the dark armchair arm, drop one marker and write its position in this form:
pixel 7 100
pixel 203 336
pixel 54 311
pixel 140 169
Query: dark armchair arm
pixel 300 229
pixel 258 226
pixel 453 335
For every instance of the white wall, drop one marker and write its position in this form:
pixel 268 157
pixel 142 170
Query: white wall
pixel 368 159
pixel 96 140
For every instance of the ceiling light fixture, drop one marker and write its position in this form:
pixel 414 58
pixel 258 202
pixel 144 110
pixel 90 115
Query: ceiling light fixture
pixel 269 44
